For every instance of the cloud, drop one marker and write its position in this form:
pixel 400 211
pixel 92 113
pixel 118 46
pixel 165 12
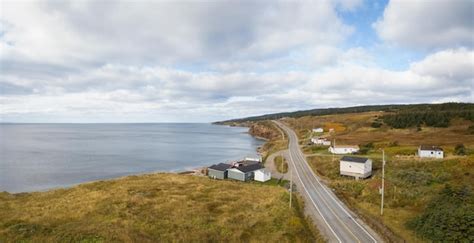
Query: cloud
pixel 163 32
pixel 428 24
pixel 94 61
pixel 116 90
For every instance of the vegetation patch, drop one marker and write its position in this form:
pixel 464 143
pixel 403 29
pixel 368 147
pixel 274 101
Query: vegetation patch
pixel 449 217
pixel 155 208
pixel 280 164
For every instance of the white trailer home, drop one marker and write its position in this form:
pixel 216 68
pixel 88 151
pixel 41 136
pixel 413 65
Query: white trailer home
pixel 343 149
pixel 425 151
pixel 355 166
pixel 321 141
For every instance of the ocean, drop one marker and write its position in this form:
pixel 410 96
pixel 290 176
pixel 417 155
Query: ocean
pixel 36 157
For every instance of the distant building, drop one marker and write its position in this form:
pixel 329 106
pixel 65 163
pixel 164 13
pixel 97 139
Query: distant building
pixel 244 173
pixel 257 159
pixel 321 141
pixel 425 151
pixel 343 149
pixel 355 166
pixel 262 175
pixel 218 171
pixel 331 129
pixel 245 162
pixel 319 129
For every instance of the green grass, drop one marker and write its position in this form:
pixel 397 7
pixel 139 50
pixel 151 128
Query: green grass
pixel 280 164
pixel 410 185
pixel 156 207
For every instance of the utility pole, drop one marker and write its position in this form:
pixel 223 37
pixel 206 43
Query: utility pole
pixel 291 186
pixel 333 149
pixel 383 181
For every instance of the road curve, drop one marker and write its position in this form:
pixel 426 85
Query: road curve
pixel 333 218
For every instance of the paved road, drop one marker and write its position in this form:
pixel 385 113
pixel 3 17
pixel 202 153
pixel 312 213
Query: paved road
pixel 332 217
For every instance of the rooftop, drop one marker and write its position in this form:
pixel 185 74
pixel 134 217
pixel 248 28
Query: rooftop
pixel 220 167
pixel 430 147
pixel 346 146
pixel 354 159
pixel 249 168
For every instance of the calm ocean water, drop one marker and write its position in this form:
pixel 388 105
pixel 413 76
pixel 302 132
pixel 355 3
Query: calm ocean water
pixel 43 156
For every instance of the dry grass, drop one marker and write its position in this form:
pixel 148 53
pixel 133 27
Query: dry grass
pixel 151 208
pixel 280 164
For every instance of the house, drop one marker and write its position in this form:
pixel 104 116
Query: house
pixel 218 171
pixel 343 149
pixel 355 166
pixel 331 129
pixel 244 173
pixel 425 151
pixel 319 129
pixel 321 141
pixel 262 175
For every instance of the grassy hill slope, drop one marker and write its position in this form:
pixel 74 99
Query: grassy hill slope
pixel 151 208
pixel 415 189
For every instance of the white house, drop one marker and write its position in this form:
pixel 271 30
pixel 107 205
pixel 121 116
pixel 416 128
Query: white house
pixel 262 175
pixel 355 166
pixel 319 129
pixel 425 151
pixel 343 149
pixel 321 141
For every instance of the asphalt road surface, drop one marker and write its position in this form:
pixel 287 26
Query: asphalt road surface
pixel 335 221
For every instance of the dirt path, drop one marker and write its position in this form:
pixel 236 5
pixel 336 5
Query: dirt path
pixel 270 164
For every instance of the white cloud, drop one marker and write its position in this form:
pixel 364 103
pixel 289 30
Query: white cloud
pixel 115 90
pixel 163 32
pixel 428 24
pixel 68 61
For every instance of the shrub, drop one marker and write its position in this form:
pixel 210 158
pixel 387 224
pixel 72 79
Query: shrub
pixel 449 217
pixel 365 148
pixel 470 129
pixel 415 177
pixel 460 149
pixel 376 124
pixel 393 144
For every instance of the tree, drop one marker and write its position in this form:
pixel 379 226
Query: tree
pixel 460 149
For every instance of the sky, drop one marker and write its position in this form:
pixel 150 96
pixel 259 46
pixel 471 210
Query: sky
pixel 203 61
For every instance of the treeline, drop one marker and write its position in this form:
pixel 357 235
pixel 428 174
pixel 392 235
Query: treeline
pixel 432 118
pixel 359 109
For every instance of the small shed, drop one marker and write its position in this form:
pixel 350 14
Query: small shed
pixel 426 151
pixel 355 166
pixel 319 129
pixel 343 149
pixel 244 173
pixel 262 175
pixel 218 171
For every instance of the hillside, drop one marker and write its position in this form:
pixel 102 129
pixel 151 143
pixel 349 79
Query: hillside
pixel 151 208
pixel 405 108
pixel 416 189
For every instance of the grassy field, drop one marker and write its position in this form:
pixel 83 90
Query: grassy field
pixel 155 207
pixel 280 164
pixel 412 186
